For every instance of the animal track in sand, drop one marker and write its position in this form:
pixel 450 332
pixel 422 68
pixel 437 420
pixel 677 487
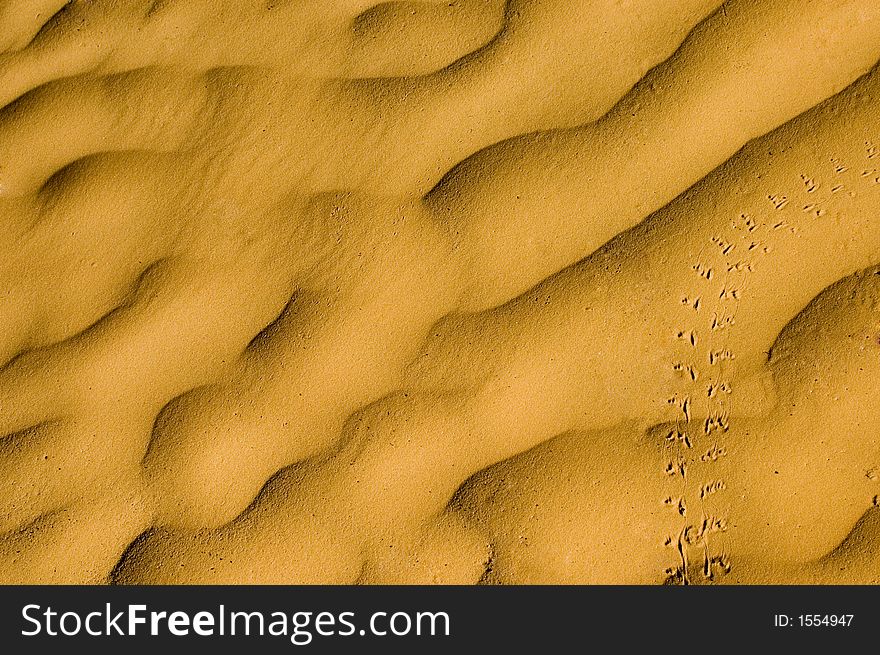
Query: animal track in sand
pixel 324 304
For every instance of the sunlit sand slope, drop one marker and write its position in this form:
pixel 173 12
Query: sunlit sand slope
pixel 536 291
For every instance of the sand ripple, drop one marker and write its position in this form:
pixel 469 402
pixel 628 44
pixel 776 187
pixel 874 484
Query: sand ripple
pixel 532 291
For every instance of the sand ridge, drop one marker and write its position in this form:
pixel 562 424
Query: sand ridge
pixel 534 291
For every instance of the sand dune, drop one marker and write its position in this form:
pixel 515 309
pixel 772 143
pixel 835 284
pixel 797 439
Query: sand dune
pixel 533 291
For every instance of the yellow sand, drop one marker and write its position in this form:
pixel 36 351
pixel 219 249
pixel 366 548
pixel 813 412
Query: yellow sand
pixel 536 291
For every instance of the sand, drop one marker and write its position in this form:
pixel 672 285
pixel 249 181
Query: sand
pixel 535 291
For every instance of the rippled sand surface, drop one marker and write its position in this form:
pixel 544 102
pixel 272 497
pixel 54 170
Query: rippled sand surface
pixel 536 291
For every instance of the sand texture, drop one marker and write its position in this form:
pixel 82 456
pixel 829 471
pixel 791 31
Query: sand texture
pixel 473 291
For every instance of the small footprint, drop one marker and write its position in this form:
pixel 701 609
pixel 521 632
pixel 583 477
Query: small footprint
pixel 779 202
pixel 809 184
